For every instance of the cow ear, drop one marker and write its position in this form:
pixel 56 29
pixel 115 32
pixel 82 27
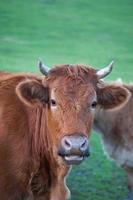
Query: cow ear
pixel 32 92
pixel 112 96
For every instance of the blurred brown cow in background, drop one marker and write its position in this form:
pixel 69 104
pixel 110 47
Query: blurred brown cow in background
pixel 116 129
pixel 44 125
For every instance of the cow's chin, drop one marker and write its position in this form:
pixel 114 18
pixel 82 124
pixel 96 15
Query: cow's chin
pixel 73 159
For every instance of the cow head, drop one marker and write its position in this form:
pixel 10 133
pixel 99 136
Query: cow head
pixel 70 94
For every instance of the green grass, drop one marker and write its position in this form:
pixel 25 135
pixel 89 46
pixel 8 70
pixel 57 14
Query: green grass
pixel 73 31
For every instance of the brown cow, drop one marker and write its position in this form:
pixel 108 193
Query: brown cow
pixel 116 129
pixel 44 125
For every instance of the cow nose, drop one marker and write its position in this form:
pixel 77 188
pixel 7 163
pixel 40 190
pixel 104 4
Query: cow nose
pixel 75 145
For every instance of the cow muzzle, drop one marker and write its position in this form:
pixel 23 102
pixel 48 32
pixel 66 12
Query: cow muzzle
pixel 73 149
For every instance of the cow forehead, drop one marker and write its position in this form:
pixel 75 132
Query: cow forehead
pixel 72 88
pixel 72 82
pixel 78 73
pixel 71 92
pixel 73 73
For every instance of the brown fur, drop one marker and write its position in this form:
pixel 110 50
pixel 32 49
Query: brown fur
pixel 30 130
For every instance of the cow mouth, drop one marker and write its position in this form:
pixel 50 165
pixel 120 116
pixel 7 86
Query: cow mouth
pixel 73 159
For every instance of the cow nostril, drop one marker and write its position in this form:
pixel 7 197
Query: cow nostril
pixel 84 146
pixel 67 144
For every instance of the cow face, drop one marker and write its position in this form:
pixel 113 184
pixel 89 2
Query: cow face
pixel 69 95
pixel 72 103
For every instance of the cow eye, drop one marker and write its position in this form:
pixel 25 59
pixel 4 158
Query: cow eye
pixel 94 104
pixel 53 102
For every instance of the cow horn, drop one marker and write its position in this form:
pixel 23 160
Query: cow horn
pixel 101 73
pixel 43 68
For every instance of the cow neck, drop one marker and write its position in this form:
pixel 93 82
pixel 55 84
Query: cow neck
pixel 41 144
pixel 44 167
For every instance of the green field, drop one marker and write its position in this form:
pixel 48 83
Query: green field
pixel 73 31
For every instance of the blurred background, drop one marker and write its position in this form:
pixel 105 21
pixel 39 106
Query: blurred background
pixel 73 31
